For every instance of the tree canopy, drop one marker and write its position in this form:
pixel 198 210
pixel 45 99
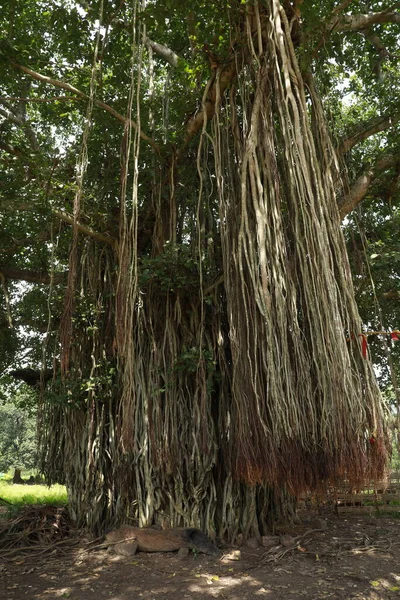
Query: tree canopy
pixel 183 192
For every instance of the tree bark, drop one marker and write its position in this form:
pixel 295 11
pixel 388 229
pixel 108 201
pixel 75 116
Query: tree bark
pixel 32 276
pixel 361 185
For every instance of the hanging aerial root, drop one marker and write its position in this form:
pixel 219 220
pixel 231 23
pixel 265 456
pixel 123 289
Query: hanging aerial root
pixel 300 469
pixel 304 400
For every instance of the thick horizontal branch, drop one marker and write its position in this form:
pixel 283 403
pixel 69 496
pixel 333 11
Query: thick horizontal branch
pixel 32 276
pixel 353 23
pixel 85 229
pixel 391 295
pixel 163 51
pixel 359 188
pixel 64 216
pixel 32 377
pixel 83 96
pixel 374 125
pixel 363 21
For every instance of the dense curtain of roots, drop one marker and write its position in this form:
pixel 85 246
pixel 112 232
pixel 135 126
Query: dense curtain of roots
pixel 247 381
pixel 304 397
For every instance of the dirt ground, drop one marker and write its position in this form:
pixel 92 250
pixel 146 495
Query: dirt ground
pixel 358 557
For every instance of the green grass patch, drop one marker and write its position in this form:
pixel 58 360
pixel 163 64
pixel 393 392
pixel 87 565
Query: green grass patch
pixel 18 495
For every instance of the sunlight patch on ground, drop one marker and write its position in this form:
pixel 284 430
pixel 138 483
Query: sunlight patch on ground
pixel 224 583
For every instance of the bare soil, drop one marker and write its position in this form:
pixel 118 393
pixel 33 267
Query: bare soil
pixel 358 557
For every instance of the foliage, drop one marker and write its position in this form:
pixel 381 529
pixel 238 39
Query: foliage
pixel 374 254
pixel 8 343
pixel 17 435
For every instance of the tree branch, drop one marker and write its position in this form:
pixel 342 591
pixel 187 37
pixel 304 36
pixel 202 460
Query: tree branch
pixel 360 186
pixel 357 22
pixel 85 229
pixel 10 117
pixel 226 75
pixel 363 21
pixel 163 51
pixel 64 216
pixel 19 119
pixel 32 276
pixel 83 96
pixel 12 150
pixel 342 6
pixel 381 50
pixel 391 295
pixel 5 99
pixel 365 130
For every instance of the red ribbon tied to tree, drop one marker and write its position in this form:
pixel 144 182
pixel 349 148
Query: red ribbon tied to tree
pixel 395 336
pixel 364 344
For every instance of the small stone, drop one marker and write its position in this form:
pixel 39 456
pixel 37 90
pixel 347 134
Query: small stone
pixel 269 540
pixel 252 543
pixel 183 552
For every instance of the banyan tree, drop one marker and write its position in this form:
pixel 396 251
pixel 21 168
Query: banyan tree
pixel 209 362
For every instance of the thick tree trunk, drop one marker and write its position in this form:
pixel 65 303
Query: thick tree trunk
pixel 17 477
